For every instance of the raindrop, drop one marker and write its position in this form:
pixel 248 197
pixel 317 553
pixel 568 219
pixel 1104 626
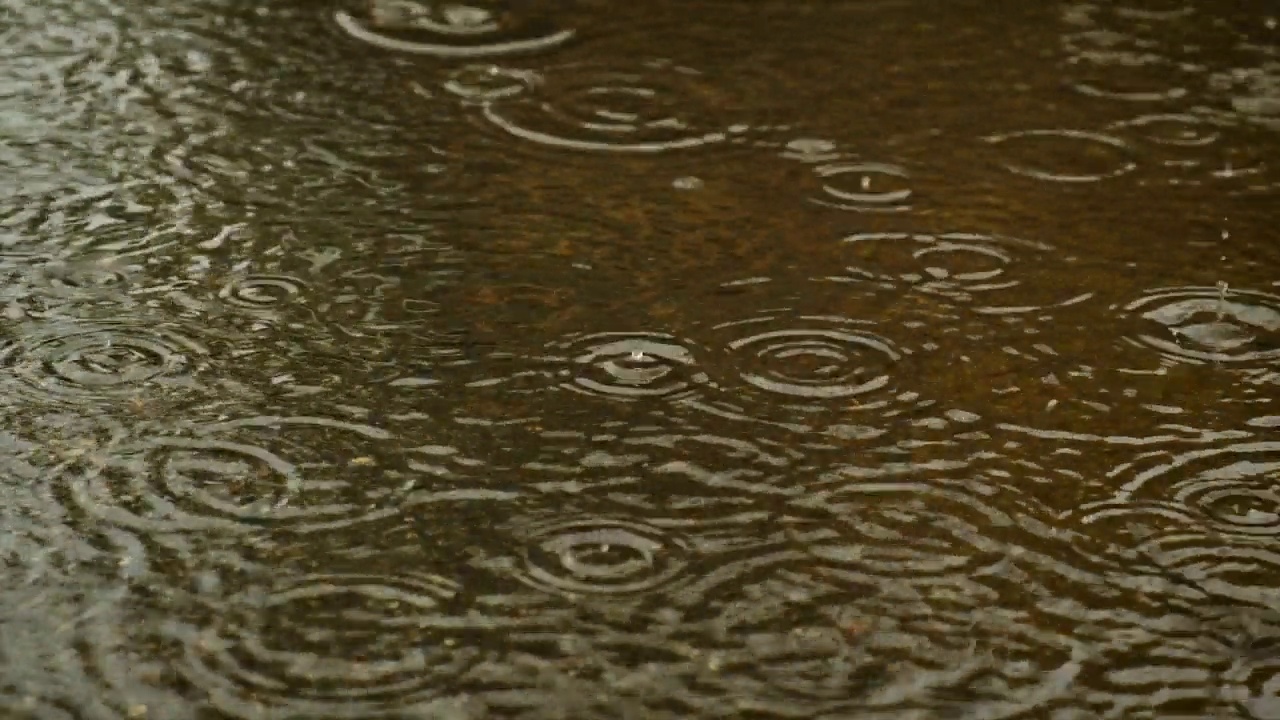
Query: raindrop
pixel 861 187
pixel 821 668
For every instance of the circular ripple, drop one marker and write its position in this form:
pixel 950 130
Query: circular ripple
pixel 656 107
pixel 1238 569
pixel 348 645
pixel 114 223
pixel 600 556
pixel 964 267
pixel 77 648
pixel 630 366
pixel 450 30
pixel 1229 490
pixel 96 361
pixel 317 476
pixel 478 84
pixel 1158 10
pixel 1175 129
pixel 1215 324
pixel 863 187
pixel 812 366
pixel 838 362
pixel 919 531
pixel 1252 640
pixel 789 643
pixel 715 489
pixel 81 277
pixel 807 671
pixel 1067 156
pixel 936 564
pixel 1125 76
pixel 262 293
pixel 42 284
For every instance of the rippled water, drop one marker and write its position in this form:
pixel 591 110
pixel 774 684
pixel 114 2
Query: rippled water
pixel 587 359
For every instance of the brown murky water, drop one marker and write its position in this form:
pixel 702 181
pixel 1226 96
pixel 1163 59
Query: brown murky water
pixel 589 359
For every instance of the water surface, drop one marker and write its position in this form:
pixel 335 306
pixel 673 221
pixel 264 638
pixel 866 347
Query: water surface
pixel 819 359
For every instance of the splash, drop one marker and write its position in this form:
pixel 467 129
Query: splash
pixel 631 366
pixel 1209 324
pixel 449 30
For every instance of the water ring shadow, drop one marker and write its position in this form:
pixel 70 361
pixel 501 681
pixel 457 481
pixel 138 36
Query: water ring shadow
pixel 1097 77
pixel 1195 564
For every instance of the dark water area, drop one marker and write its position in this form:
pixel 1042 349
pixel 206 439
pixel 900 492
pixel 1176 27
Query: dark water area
pixel 589 359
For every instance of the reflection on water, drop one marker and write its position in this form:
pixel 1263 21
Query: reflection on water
pixel 407 359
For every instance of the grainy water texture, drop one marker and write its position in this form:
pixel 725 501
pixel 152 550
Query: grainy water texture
pixel 569 359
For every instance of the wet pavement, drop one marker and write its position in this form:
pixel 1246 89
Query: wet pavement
pixel 588 359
